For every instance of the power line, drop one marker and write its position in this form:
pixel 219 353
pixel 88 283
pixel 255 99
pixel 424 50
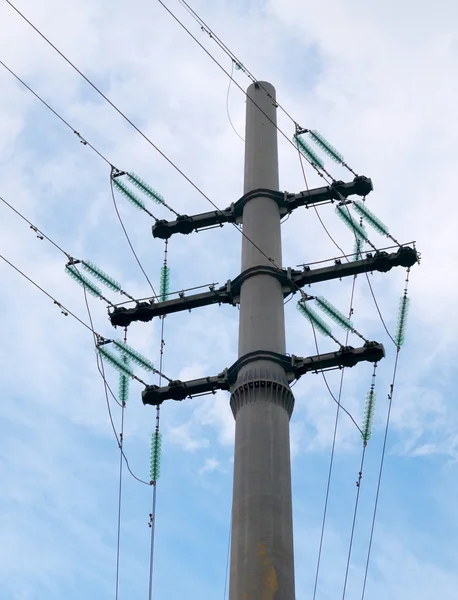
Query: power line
pixel 118 537
pixel 124 116
pixel 358 483
pixel 337 401
pixel 331 462
pixel 328 386
pixel 162 153
pixel 355 512
pixel 204 27
pixel 323 170
pixel 121 440
pixel 41 235
pixel 163 290
pixel 144 135
pixel 149 140
pixel 390 403
pixel 82 139
pixel 65 311
pixel 378 309
pixel 343 255
pixel 154 146
pixel 229 53
pixel 105 97
pixel 382 458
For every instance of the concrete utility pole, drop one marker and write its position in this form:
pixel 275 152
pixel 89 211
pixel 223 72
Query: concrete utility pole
pixel 262 560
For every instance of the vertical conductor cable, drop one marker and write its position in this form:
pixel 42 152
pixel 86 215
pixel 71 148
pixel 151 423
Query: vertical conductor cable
pixel 358 485
pixel 119 440
pixel 163 292
pixel 385 438
pixel 331 461
pixel 123 396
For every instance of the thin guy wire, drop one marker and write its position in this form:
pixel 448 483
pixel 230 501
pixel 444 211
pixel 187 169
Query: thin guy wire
pixel 331 462
pixel 382 459
pixel 227 104
pixel 128 238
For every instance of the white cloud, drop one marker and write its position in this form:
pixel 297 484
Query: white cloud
pixel 378 81
pixel 210 465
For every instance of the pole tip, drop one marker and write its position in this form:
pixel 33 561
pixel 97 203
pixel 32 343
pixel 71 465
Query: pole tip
pixel 263 86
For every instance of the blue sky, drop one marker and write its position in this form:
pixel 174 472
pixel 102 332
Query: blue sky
pixel 379 81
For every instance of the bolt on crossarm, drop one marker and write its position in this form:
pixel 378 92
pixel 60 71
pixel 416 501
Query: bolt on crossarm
pixel 262 561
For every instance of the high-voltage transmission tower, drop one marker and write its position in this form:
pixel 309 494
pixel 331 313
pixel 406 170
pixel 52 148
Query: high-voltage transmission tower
pixel 262 560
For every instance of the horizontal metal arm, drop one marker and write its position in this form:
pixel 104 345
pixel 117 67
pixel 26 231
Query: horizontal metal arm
pixel 146 311
pixel 289 279
pixel 360 186
pixel 294 367
pixel 377 261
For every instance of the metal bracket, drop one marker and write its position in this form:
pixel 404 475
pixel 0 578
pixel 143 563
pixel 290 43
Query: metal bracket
pixel 287 202
pixel 290 280
pixel 376 261
pixel 294 367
